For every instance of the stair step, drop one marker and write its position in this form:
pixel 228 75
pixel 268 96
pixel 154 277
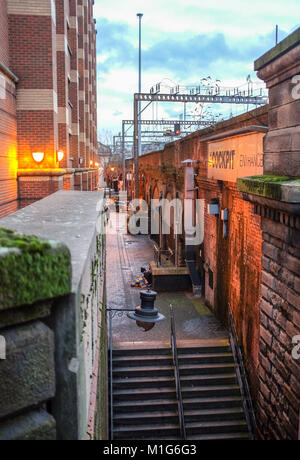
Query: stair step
pixel 205 358
pixel 171 404
pixel 235 426
pixel 155 417
pixel 204 350
pixel 219 437
pixel 134 361
pixel 144 393
pixel 143 371
pixel 168 381
pixel 140 394
pixel 142 352
pixel 196 369
pixel 149 406
pixel 146 417
pixel 139 431
pixel 212 402
pixel 224 379
pixel 220 390
pixel 143 382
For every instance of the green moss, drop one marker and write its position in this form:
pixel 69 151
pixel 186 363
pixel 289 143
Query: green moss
pixel 31 269
pixel 268 186
pixel 28 243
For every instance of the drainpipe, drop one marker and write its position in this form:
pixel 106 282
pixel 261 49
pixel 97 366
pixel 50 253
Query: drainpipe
pixel 190 258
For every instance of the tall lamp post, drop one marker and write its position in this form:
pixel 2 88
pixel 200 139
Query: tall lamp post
pixel 137 192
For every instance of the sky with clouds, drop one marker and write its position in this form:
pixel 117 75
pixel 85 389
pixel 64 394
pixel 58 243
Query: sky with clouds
pixel 182 42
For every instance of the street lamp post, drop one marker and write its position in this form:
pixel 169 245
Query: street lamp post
pixel 139 152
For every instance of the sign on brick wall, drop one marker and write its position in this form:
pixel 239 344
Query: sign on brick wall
pixel 237 156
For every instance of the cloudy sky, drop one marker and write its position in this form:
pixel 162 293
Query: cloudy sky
pixel 182 42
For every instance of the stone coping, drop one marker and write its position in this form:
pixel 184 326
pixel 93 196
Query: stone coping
pixel 283 47
pixel 216 342
pixel 32 269
pixel 67 216
pixel 237 132
pixel 167 271
pixel 280 188
pixel 41 172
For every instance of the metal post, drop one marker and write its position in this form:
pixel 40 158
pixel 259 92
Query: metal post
pixel 135 149
pixel 123 156
pixel 276 34
pixel 139 15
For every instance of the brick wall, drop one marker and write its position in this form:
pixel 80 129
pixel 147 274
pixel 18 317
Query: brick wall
pixel 8 125
pixel 48 45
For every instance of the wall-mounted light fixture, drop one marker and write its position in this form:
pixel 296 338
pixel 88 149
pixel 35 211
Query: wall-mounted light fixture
pixel 224 218
pixel 96 164
pixel 91 163
pixel 38 156
pixel 60 154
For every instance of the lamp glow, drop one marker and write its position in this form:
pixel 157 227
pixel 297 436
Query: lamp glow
pixel 38 156
pixel 91 163
pixel 60 155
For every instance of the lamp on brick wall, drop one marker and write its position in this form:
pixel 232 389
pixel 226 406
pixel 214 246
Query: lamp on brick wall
pixel 38 156
pixel 60 155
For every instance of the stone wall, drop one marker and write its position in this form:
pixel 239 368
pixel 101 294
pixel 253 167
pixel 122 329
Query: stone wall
pixel 276 199
pixel 51 317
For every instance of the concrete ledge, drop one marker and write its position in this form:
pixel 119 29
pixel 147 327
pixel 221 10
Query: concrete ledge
pixel 279 188
pixel 32 269
pixel 34 426
pixel 41 172
pixel 67 216
pixel 159 271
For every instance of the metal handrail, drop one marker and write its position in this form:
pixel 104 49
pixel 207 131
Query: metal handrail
pixel 177 376
pixel 110 311
pixel 242 376
pixel 111 379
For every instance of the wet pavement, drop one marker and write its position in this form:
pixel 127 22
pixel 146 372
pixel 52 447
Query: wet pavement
pixel 126 254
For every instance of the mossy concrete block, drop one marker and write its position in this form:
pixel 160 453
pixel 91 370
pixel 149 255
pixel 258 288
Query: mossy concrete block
pixel 27 375
pixel 280 188
pixel 33 426
pixel 32 269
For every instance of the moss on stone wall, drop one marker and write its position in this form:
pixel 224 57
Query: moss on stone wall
pixel 32 269
pixel 267 186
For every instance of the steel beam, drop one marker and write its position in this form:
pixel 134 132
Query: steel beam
pixel 217 99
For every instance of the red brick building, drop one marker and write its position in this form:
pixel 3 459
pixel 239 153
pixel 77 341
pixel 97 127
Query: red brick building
pixel 48 103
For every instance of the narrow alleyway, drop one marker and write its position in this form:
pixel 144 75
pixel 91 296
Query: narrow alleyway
pixel 126 254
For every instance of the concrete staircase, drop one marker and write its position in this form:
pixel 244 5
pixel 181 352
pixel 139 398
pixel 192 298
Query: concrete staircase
pixel 144 394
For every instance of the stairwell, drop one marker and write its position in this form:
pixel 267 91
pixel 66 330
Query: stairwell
pixel 144 394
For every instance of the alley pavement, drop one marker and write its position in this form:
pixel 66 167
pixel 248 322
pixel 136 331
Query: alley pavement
pixel 126 254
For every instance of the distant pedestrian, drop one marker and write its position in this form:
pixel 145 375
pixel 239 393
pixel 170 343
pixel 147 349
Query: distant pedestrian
pixel 144 281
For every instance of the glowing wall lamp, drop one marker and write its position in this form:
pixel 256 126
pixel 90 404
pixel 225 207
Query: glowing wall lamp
pixel 91 163
pixel 60 155
pixel 38 156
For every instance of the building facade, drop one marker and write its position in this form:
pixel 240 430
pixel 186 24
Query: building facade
pixel 49 104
